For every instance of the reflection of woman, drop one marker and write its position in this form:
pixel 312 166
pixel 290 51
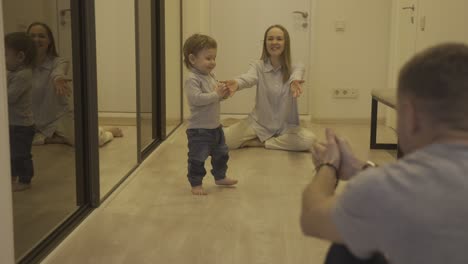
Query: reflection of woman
pixel 52 113
pixel 274 121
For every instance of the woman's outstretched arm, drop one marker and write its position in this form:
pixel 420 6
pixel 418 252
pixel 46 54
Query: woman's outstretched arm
pixel 246 80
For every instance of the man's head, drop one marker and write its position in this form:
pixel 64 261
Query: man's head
pixel 433 96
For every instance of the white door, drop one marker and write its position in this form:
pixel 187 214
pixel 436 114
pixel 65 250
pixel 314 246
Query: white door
pixel 407 23
pixel 442 21
pixel 405 42
pixel 64 39
pixel 238 27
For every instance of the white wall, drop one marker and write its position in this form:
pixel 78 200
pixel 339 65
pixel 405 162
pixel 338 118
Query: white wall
pixel 173 59
pixel 21 13
pixel 196 17
pixel 195 20
pixel 145 56
pixel 115 54
pixel 7 255
pixel 356 58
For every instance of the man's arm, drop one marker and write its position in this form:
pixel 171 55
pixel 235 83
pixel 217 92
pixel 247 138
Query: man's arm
pixel 335 160
pixel 318 202
pixel 318 199
pixel 248 79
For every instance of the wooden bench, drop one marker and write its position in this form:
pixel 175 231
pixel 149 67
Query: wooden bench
pixel 388 98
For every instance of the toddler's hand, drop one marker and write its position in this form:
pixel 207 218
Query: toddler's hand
pixel 222 90
pixel 232 86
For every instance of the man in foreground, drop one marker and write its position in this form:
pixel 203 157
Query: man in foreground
pixel 414 210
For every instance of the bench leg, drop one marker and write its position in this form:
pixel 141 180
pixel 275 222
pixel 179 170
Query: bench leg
pixel 373 129
pixel 399 152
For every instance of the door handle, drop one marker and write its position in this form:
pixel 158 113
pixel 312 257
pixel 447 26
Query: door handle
pixel 303 14
pixel 409 7
pixel 63 12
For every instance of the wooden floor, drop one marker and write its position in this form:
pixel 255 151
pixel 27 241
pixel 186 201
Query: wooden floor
pixel 153 218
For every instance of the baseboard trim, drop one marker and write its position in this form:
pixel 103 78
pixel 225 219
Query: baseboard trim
pixel 346 121
pixel 127 120
pixel 117 121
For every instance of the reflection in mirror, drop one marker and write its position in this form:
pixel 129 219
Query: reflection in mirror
pixel 173 65
pixel 145 74
pixel 40 104
pixel 116 85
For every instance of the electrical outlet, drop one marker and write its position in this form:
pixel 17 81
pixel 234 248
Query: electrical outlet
pixel 353 93
pixel 345 93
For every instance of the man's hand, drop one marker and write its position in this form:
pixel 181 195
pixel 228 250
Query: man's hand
pixel 318 199
pixel 350 165
pixel 328 152
pixel 62 88
pixel 232 86
pixel 296 88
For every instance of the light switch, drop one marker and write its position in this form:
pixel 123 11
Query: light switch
pixel 340 26
pixel 422 23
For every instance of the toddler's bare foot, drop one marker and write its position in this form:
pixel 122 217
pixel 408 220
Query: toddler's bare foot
pixel 198 190
pixel 116 132
pixel 253 143
pixel 226 181
pixel 19 187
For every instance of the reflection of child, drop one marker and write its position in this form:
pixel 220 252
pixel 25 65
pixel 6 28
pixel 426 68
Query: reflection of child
pixel 204 133
pixel 20 53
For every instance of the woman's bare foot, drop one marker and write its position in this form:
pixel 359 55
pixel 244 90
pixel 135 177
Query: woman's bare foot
pixel 198 190
pixel 253 143
pixel 116 131
pixel 226 181
pixel 57 139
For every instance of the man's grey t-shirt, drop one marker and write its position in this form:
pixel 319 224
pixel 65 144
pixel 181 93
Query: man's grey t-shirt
pixel 413 211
